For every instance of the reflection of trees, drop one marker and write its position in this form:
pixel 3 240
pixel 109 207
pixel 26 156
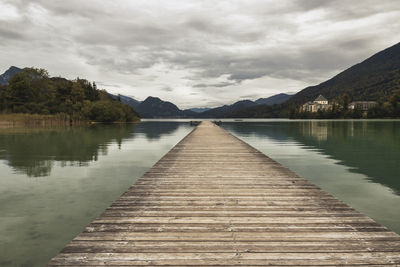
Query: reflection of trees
pixel 153 130
pixel 370 147
pixel 34 152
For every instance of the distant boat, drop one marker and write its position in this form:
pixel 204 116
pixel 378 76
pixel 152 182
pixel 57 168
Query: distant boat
pixel 238 120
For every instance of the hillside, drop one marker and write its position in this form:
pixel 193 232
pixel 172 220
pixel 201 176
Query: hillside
pixel 129 101
pixel 198 110
pixel 228 110
pixel 273 100
pixel 154 107
pixel 374 79
pixel 126 100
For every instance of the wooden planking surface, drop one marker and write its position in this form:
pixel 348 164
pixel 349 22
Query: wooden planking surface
pixel 215 200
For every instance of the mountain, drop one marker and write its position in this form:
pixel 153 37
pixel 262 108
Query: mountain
pixel 6 76
pixel 126 100
pixel 154 107
pixel 220 112
pixel 373 79
pixel 199 110
pixel 226 110
pixel 273 100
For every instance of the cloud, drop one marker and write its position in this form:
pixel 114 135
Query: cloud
pixel 221 84
pixel 167 89
pixel 10 34
pixel 105 84
pixel 252 96
pixel 202 49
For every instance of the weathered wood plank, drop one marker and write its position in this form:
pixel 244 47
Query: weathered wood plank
pixel 214 200
pixel 222 258
pixel 195 247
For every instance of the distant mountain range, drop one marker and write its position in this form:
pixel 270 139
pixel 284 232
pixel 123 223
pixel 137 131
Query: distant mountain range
pixel 154 107
pixel 376 78
pixel 226 110
pixel 273 100
pixel 199 110
pixel 6 76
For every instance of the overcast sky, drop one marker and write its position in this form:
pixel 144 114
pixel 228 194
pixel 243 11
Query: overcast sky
pixel 196 53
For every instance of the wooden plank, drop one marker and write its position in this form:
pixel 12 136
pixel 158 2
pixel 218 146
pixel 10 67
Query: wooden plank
pixel 215 200
pixel 204 227
pixel 232 258
pixel 196 247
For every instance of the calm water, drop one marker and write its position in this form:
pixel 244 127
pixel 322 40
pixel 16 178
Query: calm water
pixel 356 161
pixel 53 182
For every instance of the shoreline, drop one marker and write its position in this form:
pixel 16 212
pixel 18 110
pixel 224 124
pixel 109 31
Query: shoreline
pixel 12 120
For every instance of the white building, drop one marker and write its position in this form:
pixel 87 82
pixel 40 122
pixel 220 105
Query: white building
pixel 320 103
pixel 362 105
pixel 321 100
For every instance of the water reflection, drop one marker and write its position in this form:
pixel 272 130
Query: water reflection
pixel 371 148
pixel 35 151
pixel 86 169
pixel 153 130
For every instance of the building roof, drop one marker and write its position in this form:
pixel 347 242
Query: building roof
pixel 321 98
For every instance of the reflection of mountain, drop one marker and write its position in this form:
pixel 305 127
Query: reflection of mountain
pixel 371 148
pixel 34 151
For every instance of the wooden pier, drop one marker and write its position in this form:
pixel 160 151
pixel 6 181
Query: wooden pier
pixel 215 200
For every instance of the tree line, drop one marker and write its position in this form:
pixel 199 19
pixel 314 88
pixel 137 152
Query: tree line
pixel 340 109
pixel 33 91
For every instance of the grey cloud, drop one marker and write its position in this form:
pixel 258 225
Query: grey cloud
pixel 75 8
pixel 167 89
pixel 10 34
pixel 108 84
pixel 219 44
pixel 201 42
pixel 222 84
pixel 356 44
pixel 252 96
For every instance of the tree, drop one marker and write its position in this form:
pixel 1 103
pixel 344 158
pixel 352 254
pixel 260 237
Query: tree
pixel 90 89
pixel 394 101
pixel 33 91
pixel 345 99
pixel 28 90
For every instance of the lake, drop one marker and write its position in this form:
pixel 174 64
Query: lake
pixel 53 182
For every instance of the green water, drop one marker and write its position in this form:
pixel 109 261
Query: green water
pixel 356 161
pixel 53 182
